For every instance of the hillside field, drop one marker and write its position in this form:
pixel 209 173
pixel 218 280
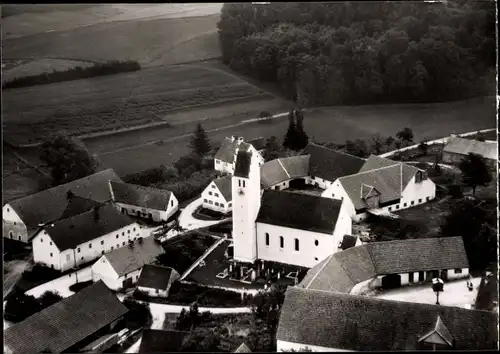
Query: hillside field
pixel 120 101
pixel 336 124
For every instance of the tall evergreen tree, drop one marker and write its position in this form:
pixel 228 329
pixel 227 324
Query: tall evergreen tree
pixel 475 171
pixel 301 137
pixel 289 140
pixel 200 144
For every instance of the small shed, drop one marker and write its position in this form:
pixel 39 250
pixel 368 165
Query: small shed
pixel 156 280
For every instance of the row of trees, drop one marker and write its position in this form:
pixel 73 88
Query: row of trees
pixel 20 306
pixel 358 52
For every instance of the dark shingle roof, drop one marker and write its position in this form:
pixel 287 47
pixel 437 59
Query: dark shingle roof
pixel 243 163
pixel 67 322
pixel 145 197
pixel 440 329
pixel 375 162
pixel 127 259
pixel 284 169
pixel 156 277
pixel 351 322
pixel 299 211
pixel 243 348
pixel 343 270
pixel 71 232
pixel 227 151
pixel 160 341
pixel 78 205
pixel 330 164
pixel 224 184
pixel 348 241
pixel 258 143
pixel 463 146
pixel 33 210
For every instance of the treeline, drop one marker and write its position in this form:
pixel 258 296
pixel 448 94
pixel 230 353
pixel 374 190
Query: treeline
pixel 364 52
pixel 97 69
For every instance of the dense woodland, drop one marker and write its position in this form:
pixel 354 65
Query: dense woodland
pixel 364 52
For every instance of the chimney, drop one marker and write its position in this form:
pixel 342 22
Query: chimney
pixel 96 213
pixel 69 194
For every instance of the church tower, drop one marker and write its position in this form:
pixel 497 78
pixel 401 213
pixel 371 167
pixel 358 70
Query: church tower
pixel 246 205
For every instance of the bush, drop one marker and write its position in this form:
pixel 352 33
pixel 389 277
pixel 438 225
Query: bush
pixel 185 294
pixel 191 186
pixel 153 176
pixel 41 273
pixel 455 190
pixel 111 67
pixel 20 306
pixel 79 286
pixel 139 314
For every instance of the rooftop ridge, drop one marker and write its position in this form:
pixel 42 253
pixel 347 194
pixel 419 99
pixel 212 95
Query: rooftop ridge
pixel 319 271
pixel 337 151
pixel 139 186
pixel 369 171
pixel 283 167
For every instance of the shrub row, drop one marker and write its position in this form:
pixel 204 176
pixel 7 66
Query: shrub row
pixel 108 68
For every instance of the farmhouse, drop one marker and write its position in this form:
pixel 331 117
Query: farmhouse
pixel 224 159
pixel 218 195
pixel 121 268
pixel 68 325
pixel 150 203
pixel 23 217
pixel 457 148
pixel 285 172
pixel 382 186
pixel 156 280
pixel 282 227
pixel 389 264
pixel 80 239
pixel 161 341
pixel 329 321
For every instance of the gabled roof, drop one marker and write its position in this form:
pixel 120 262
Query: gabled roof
pixel 243 348
pixel 329 164
pixel 441 330
pixel 67 322
pixel 350 322
pixel 375 162
pixel 463 146
pixel 258 143
pixel 243 163
pixel 386 180
pixel 144 197
pixel 78 205
pixel 128 258
pixel 227 151
pixel 284 169
pixel 299 211
pixel 33 209
pixel 160 341
pixel 157 277
pixel 348 241
pixel 85 227
pixel 343 270
pixel 224 185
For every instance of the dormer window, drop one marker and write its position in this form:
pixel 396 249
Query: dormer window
pixel 419 177
pixel 439 337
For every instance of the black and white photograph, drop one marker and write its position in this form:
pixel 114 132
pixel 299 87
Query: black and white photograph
pixel 250 176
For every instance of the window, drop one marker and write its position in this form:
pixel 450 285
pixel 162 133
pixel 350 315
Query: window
pixel 209 193
pixel 412 202
pixel 276 187
pixel 315 258
pixel 171 203
pixel 243 183
pixel 428 198
pixel 267 239
pixel 15 223
pixel 213 185
pixel 41 240
pixel 296 244
pixel 19 238
pixel 204 200
pixel 102 252
pixel 397 206
pixel 316 242
pixel 123 243
pixel 230 204
pixel 90 245
pixel 239 183
pixel 52 255
pixel 210 202
pixel 405 205
pixel 117 236
pixel 333 195
pixel 216 203
pixel 117 246
pixel 112 247
pixel 390 208
pixel 123 233
pixel 102 242
pixel 128 231
pixel 217 162
pixel 157 291
pixel 8 209
pixel 133 229
pixel 81 259
pixel 11 235
pixel 78 250
pixel 458 271
pixel 216 194
pixel 420 200
pixel 282 242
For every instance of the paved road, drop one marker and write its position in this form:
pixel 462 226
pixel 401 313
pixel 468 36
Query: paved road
pixel 17 267
pixel 188 222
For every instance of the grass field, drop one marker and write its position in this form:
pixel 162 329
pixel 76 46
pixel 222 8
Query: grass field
pixel 428 121
pixel 150 42
pixel 118 101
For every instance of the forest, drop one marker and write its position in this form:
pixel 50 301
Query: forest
pixel 364 52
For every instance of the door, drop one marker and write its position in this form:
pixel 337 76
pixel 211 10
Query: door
pixel 410 277
pixel 444 275
pixel 127 283
pixel 391 281
pixel 421 276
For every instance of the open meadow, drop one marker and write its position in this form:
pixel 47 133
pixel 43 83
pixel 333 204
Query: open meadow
pixel 335 124
pixel 120 101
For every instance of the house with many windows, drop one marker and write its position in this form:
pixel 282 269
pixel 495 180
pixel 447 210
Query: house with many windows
pixel 225 158
pixel 329 321
pixel 389 264
pixel 149 203
pixel 218 195
pixel 382 186
pixel 22 218
pixel 122 267
pixel 77 240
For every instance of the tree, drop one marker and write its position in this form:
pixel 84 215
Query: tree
pixel 475 171
pixel 188 320
pixel 20 306
pixel 405 136
pixel 301 136
pixel 49 298
pixel 423 147
pixel 273 149
pixel 68 159
pixel 356 148
pixel 201 340
pixel 266 306
pixel 139 314
pixel 200 144
pixel 389 141
pixel 290 139
pixel 377 144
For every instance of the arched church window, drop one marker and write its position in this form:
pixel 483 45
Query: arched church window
pixel 282 242
pixel 267 239
pixel 296 244
pixel 316 242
